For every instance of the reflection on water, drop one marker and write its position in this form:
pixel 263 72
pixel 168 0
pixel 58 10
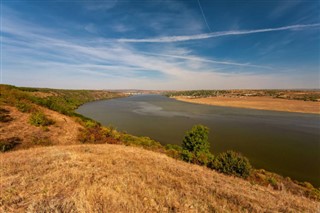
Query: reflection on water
pixel 145 108
pixel 287 143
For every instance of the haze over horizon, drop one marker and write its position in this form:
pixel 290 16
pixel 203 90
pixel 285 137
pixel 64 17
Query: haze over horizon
pixel 194 44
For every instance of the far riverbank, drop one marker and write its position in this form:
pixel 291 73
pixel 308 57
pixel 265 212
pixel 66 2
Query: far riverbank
pixel 262 103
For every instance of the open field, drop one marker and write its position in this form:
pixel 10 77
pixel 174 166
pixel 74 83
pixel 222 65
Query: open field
pixel 114 178
pixel 263 103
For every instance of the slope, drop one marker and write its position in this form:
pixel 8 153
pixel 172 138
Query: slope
pixel 116 178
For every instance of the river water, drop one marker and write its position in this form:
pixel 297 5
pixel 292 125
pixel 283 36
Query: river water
pixel 282 142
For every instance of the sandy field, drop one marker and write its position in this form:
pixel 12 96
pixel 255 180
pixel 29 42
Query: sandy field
pixel 264 103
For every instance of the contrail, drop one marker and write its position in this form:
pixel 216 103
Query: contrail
pixel 193 58
pixel 204 17
pixel 215 34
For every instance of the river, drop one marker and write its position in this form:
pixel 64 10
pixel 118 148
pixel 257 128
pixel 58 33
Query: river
pixel 282 142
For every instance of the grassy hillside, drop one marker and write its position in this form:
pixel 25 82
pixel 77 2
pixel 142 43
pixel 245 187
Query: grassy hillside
pixel 63 101
pixel 32 117
pixel 101 178
pixel 45 179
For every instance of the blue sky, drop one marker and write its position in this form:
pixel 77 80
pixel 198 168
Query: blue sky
pixel 145 44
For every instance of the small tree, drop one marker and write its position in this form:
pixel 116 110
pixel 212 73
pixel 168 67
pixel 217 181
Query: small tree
pixel 196 145
pixel 196 140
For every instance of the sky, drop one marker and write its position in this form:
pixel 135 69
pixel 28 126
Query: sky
pixel 160 45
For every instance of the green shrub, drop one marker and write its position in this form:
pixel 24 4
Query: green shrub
pixel 93 134
pixel 273 182
pixel 173 151
pixel 196 140
pixel 24 107
pixel 40 119
pixel 203 158
pixel 232 163
pixel 196 146
pixel 145 142
pixel 187 156
pixel 173 147
pixel 91 124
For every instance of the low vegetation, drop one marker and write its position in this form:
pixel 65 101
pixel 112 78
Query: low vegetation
pixel 62 101
pixel 305 95
pixel 40 119
pixel 95 133
pixel 196 149
pixel 24 106
pixel 195 146
pixel 7 144
pixel 4 116
pixel 232 163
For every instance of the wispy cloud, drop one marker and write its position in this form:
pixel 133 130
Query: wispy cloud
pixel 204 17
pixel 216 34
pixel 195 58
pixel 98 5
pixel 283 8
pixel 53 58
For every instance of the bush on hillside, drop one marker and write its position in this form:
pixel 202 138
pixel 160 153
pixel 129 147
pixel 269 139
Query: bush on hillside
pixel 144 142
pixel 232 163
pixel 196 140
pixel 196 146
pixel 173 151
pixel 40 119
pixel 92 133
pixel 24 107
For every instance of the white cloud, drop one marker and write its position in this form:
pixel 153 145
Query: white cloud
pixel 36 56
pixel 196 58
pixel 215 34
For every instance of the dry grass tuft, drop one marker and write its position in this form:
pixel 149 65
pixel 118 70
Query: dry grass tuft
pixel 113 178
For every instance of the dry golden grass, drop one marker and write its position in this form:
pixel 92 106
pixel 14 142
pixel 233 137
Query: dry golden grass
pixel 264 103
pixel 114 178
pixel 65 130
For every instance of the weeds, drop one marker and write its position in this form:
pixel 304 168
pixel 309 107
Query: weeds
pixel 24 107
pixel 41 140
pixel 4 115
pixel 9 143
pixel 40 119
